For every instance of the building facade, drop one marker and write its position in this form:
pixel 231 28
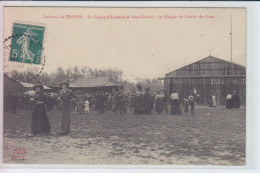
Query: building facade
pixel 209 76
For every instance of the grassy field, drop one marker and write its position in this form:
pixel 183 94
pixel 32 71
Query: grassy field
pixel 213 136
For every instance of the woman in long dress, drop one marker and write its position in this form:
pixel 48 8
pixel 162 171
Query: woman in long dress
pixel 158 102
pixel 229 103
pixel 139 101
pixel 40 123
pixel 214 101
pixel 175 104
pixel 147 102
pixel 65 106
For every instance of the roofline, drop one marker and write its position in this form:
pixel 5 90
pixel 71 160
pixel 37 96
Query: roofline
pixel 207 76
pixel 89 87
pixel 205 58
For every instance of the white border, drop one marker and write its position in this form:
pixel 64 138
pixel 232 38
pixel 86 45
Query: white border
pixel 252 113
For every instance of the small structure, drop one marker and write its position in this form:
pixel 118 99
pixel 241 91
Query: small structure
pixel 91 84
pixel 29 87
pixel 209 76
pixel 12 86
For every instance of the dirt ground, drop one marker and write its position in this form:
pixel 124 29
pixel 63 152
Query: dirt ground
pixel 213 136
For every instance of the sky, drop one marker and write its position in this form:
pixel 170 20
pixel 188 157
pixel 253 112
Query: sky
pixel 140 47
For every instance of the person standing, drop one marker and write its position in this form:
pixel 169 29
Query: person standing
pixel 13 103
pixel 66 95
pixel 86 106
pixel 40 122
pixel 147 102
pixel 191 103
pixel 158 102
pixel 186 107
pixel 210 100
pixel 79 103
pixel 214 101
pixel 229 102
pixel 236 100
pixel 102 102
pixel 127 103
pixel 164 101
pixel 139 100
pixel 175 103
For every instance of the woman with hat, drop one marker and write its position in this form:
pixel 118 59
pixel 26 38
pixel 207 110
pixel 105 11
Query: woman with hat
pixel 40 123
pixel 65 106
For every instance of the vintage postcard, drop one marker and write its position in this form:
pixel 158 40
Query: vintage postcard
pixel 125 86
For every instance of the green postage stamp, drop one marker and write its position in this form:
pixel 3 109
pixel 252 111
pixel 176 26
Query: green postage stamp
pixel 26 44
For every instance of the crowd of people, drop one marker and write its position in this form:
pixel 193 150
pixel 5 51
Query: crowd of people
pixel 117 101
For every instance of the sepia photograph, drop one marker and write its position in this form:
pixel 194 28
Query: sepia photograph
pixel 124 86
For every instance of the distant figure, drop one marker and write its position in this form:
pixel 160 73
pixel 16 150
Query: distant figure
pixel 79 103
pixel 13 100
pixel 40 122
pixel 119 102
pixel 229 101
pixel 127 102
pixel 86 108
pixel 214 102
pixel 191 103
pixel 210 100
pixel 111 99
pixel 236 100
pixel 158 102
pixel 175 103
pixel 100 102
pixel 198 99
pixel 138 101
pixel 186 106
pixel 164 102
pixel 147 101
pixel 6 102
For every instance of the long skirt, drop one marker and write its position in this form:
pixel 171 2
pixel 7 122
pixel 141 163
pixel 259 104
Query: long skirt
pixel 229 104
pixel 139 106
pixel 159 106
pixel 175 108
pixel 65 120
pixel 40 123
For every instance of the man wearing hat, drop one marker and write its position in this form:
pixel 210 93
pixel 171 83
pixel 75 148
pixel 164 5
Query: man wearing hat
pixel 40 122
pixel 66 95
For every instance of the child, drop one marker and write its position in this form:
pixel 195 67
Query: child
pixel 86 103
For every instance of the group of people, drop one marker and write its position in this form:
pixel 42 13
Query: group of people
pixel 143 102
pixel 233 100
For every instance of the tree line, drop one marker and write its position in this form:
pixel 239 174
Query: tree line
pixel 71 74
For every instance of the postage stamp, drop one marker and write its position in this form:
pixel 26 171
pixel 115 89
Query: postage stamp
pixel 23 50
pixel 26 44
